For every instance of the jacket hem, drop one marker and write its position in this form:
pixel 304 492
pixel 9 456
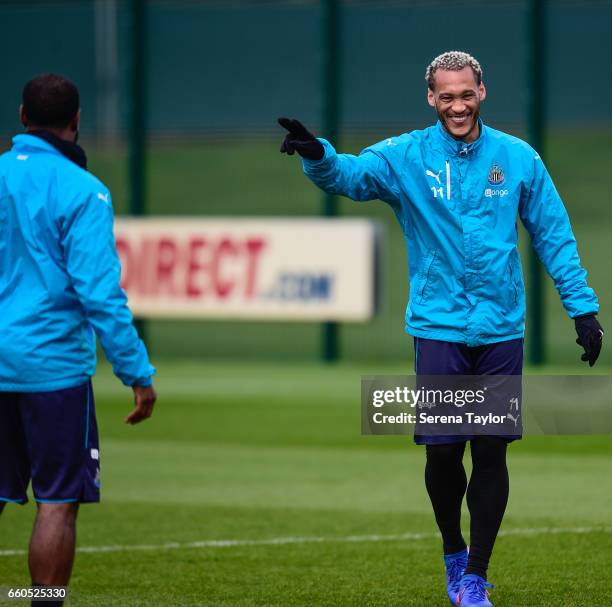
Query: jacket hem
pixel 460 338
pixel 47 386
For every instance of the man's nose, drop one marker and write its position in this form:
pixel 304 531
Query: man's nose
pixel 458 106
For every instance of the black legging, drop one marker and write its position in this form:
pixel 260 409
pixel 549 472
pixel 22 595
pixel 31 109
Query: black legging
pixel 487 496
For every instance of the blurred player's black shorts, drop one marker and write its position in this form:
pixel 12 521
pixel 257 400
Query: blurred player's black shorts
pixel 50 438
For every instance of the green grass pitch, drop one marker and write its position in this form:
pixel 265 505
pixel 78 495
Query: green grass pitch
pixel 270 458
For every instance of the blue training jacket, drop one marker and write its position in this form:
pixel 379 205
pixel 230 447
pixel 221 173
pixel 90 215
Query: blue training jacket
pixel 457 204
pixel 59 275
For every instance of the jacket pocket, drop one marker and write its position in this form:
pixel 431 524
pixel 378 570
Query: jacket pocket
pixel 427 274
pixel 514 275
pixel 513 289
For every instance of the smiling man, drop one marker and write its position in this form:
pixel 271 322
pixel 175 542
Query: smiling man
pixel 456 189
pixel 456 94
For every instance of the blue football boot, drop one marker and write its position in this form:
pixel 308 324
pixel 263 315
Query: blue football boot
pixel 455 566
pixel 473 592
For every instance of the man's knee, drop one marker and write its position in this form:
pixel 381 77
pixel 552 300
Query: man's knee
pixel 445 456
pixel 59 513
pixel 489 451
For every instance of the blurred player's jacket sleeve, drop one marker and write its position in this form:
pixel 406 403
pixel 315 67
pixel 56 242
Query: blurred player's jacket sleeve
pixel 93 265
pixel 59 275
pixel 543 214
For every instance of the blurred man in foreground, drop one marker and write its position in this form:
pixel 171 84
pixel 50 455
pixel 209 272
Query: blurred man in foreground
pixel 456 189
pixel 59 288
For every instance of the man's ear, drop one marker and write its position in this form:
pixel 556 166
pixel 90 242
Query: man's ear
pixel 430 98
pixel 74 125
pixel 482 91
pixel 22 116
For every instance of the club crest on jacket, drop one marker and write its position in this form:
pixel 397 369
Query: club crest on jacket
pixel 496 175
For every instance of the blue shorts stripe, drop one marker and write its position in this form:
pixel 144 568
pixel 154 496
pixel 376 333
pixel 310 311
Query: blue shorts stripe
pixel 11 501
pixel 87 418
pixel 66 501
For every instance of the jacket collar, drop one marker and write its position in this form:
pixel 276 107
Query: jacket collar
pixel 457 147
pixel 42 140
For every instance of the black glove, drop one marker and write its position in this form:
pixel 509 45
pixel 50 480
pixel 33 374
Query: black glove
pixel 300 140
pixel 590 335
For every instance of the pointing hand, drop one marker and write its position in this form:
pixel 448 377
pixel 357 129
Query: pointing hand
pixel 299 139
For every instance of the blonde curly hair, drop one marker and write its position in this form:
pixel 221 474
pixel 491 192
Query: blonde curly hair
pixel 453 61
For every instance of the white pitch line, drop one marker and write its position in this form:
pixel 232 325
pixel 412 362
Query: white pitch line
pixel 283 541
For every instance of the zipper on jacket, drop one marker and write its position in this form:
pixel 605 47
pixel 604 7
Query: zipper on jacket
pixel 448 181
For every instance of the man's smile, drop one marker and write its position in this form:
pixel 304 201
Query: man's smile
pixel 458 120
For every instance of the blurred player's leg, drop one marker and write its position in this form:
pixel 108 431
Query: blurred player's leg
pixel 62 439
pixel 52 545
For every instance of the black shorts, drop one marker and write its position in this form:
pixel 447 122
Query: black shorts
pixel 50 438
pixel 433 357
